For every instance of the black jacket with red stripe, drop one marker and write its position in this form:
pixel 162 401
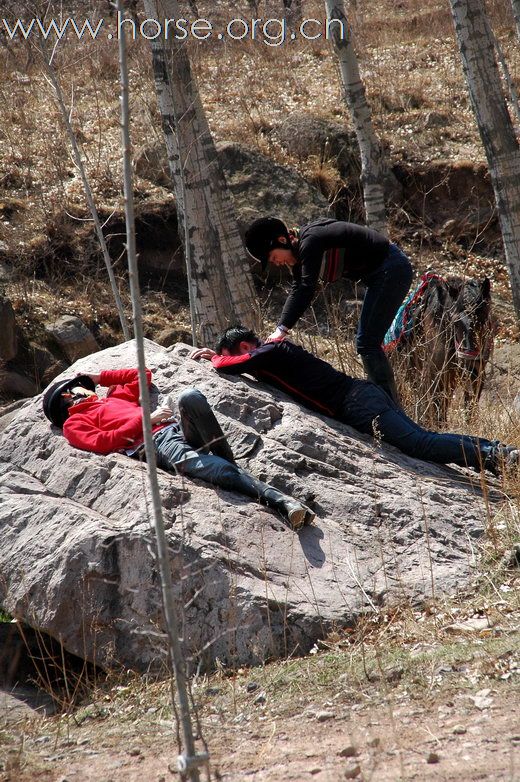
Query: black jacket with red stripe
pixel 329 249
pixel 292 369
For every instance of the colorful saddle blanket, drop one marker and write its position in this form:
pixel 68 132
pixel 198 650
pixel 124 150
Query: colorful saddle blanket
pixel 403 322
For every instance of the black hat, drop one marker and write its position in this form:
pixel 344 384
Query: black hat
pixel 262 237
pixel 54 406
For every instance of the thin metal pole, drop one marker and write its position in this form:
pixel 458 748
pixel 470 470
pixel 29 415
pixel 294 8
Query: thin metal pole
pixel 187 257
pixel 88 194
pixel 188 762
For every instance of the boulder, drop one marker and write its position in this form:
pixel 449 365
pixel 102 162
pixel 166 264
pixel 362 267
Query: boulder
pixel 78 554
pixel 259 186
pixel 13 384
pixel 303 135
pixel 8 341
pixel 72 337
pixel 262 187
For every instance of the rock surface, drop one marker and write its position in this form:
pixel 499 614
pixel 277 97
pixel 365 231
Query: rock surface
pixel 261 187
pixel 14 384
pixel 73 337
pixel 77 558
pixel 303 134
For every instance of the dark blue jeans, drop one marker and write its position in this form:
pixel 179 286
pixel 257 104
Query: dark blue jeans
pixel 386 288
pixel 186 451
pixel 369 409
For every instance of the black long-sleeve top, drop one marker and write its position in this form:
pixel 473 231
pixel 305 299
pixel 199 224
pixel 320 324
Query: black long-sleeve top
pixel 292 369
pixel 330 249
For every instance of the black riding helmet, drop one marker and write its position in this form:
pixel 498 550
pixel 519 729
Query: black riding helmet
pixel 55 407
pixel 262 237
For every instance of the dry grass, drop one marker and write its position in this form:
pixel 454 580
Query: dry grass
pixel 372 682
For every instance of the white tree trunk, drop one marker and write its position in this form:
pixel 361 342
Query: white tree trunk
pixel 513 94
pixel 476 46
pixel 221 282
pixel 516 14
pixel 373 166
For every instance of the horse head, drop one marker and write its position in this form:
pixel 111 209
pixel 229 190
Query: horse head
pixel 472 322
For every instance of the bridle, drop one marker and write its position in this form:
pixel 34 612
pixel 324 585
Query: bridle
pixel 466 347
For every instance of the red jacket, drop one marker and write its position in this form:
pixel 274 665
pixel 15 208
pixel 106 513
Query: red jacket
pixel 111 424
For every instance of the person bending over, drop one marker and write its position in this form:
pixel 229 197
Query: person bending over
pixel 328 250
pixel 115 424
pixel 359 403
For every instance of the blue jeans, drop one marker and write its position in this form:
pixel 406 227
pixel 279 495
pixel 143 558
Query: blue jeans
pixel 368 408
pixel 386 288
pixel 185 451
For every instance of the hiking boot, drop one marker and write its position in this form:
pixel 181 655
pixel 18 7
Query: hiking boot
pixel 298 514
pixel 295 513
pixel 503 459
pixel 292 510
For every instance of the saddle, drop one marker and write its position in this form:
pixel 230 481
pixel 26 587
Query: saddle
pixel 403 322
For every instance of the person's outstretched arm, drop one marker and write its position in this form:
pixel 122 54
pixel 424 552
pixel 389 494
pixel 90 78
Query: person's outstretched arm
pixel 237 365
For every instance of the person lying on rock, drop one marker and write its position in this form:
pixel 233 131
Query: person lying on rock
pixel 359 403
pixel 115 424
pixel 330 249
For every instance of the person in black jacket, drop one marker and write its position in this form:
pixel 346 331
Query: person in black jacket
pixel 359 403
pixel 328 249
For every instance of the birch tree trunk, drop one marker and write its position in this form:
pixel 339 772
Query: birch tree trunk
pixel 476 46
pixel 373 166
pixel 222 290
pixel 516 14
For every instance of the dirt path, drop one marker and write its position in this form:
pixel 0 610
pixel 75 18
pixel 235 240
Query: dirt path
pixel 447 713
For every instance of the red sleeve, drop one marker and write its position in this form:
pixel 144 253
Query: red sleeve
pixel 82 433
pixel 122 377
pixel 223 362
pixel 249 362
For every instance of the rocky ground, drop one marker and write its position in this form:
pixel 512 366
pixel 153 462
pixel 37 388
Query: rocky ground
pixel 406 696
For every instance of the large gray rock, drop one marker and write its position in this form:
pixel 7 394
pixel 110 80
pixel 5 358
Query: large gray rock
pixel 77 556
pixel 72 336
pixel 14 384
pixel 262 187
pixel 303 134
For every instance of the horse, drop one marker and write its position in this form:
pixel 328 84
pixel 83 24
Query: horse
pixel 442 337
